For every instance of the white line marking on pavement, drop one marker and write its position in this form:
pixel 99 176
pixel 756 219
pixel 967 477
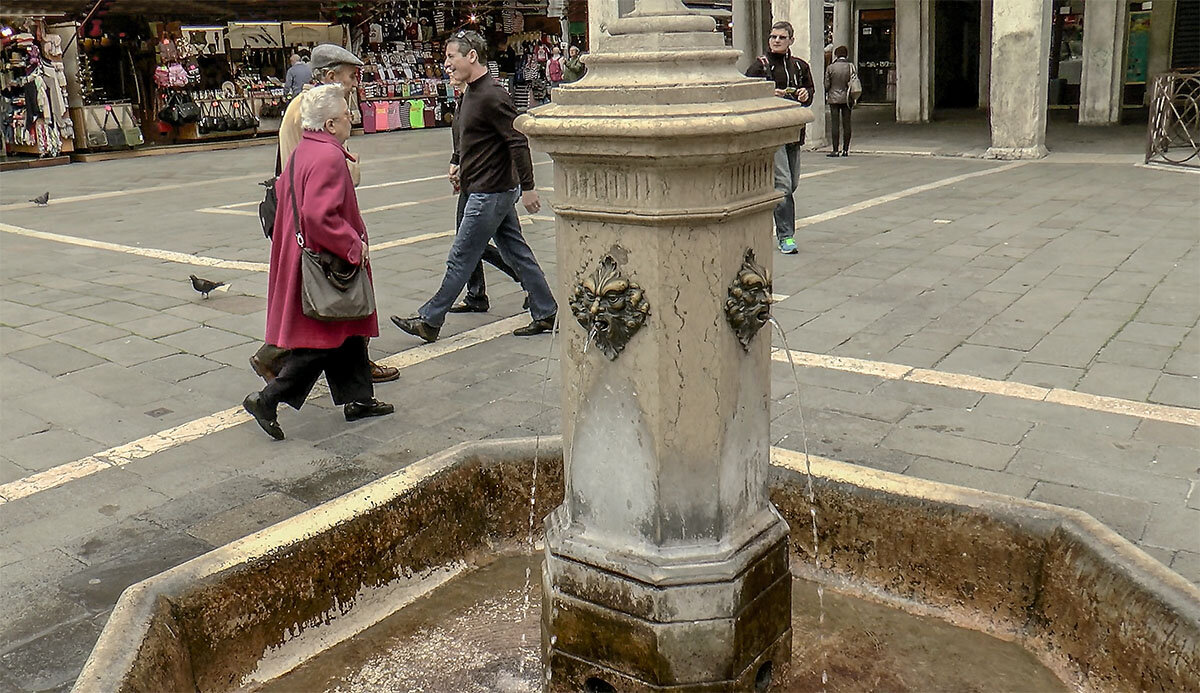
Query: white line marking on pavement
pixel 892 197
pixel 1004 388
pixel 373 186
pixel 823 172
pixel 411 239
pixel 146 446
pixel 135 191
pixel 154 253
pixel 407 203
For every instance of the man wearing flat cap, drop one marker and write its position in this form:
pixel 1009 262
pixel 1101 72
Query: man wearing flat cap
pixel 330 65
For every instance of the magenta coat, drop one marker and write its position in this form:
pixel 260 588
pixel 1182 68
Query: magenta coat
pixel 331 221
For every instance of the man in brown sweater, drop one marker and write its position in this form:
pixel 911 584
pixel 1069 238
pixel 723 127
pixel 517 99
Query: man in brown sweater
pixel 491 163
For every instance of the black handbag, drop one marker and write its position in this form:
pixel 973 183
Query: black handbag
pixel 331 289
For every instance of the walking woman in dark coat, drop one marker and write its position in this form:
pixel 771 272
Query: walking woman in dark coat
pixel 839 98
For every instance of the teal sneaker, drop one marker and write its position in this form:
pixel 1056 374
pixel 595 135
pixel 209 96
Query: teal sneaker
pixel 788 246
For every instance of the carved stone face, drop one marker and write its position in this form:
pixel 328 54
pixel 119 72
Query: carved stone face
pixel 748 307
pixel 609 307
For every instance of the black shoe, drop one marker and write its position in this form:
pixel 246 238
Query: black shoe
pixel 254 407
pixel 417 327
pixel 846 153
pixel 833 154
pixel 525 303
pixel 535 327
pixel 470 307
pixel 361 410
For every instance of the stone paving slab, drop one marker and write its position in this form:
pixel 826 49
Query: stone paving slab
pixel 1079 276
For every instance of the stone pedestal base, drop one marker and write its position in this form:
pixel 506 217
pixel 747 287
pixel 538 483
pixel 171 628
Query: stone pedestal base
pixel 604 631
pixel 1016 153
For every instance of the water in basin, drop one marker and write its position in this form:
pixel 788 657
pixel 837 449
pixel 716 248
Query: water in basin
pixel 475 635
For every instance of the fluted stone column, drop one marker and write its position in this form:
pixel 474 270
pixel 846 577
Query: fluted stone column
pixel 1020 78
pixel 914 61
pixel 666 564
pixel 1103 61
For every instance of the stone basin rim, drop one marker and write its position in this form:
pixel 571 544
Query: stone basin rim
pixel 138 610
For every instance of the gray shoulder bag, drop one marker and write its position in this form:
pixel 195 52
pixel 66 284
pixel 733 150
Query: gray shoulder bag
pixel 331 289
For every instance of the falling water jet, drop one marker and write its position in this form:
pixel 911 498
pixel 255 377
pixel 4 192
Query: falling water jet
pixel 812 495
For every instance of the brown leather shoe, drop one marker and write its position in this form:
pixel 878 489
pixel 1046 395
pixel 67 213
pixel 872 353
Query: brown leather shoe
pixel 383 374
pixel 261 369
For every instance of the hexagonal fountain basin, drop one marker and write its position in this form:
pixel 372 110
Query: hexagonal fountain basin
pixel 928 587
pixel 474 635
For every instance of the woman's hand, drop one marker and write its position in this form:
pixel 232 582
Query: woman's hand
pixel 366 254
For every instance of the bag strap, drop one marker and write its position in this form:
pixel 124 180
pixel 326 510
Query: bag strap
pixel 292 194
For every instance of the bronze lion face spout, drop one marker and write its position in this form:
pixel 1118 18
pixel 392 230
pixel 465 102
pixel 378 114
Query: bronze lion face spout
pixel 610 307
pixel 748 306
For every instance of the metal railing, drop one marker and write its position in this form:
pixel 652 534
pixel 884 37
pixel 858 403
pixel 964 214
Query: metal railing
pixel 1173 135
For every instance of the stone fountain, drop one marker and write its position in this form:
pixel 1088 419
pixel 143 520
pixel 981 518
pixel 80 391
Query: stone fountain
pixel 667 538
pixel 666 564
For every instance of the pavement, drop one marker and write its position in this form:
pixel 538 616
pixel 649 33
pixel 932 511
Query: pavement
pixel 1024 328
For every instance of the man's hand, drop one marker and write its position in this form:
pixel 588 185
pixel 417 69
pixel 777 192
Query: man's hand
pixel 453 176
pixel 801 94
pixel 782 93
pixel 529 198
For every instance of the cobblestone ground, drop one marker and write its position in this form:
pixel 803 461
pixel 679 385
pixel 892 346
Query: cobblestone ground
pixel 1078 278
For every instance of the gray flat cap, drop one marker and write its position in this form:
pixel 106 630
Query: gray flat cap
pixel 327 55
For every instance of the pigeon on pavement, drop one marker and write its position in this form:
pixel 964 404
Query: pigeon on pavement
pixel 204 285
pixel 41 200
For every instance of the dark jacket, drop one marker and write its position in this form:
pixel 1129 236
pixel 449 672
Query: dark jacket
pixel 493 156
pixel 837 81
pixel 788 72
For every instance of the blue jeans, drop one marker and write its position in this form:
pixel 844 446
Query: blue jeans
pixel 787 173
pixel 487 216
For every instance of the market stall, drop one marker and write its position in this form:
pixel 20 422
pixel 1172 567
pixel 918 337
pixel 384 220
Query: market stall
pixel 34 116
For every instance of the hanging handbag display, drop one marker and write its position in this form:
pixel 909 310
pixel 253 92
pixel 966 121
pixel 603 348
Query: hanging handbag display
pixel 331 289
pixel 112 128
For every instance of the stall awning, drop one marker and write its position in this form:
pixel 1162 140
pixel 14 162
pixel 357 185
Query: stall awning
pixel 192 10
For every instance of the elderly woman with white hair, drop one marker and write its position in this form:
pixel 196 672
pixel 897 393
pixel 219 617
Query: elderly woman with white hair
pixel 318 211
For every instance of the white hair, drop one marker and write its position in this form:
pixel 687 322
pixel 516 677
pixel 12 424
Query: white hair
pixel 321 104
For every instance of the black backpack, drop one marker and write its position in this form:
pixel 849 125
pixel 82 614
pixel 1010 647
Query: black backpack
pixel 266 208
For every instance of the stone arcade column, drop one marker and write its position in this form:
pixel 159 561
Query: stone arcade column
pixel 914 61
pixel 1020 78
pixel 843 26
pixel 751 26
pixel 1103 61
pixel 666 564
pixel 985 53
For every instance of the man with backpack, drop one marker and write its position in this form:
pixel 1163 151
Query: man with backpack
pixel 793 81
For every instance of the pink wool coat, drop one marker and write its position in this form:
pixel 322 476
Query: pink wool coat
pixel 331 221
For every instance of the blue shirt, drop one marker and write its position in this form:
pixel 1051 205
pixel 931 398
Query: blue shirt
pixel 297 76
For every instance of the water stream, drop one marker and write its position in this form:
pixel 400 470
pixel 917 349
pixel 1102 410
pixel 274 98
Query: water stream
pixel 529 544
pixel 812 496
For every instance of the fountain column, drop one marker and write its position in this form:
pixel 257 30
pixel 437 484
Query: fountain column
pixel 666 565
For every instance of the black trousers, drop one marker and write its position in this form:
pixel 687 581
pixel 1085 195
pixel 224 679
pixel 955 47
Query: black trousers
pixel 840 113
pixel 347 370
pixel 476 283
